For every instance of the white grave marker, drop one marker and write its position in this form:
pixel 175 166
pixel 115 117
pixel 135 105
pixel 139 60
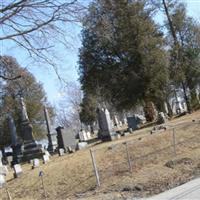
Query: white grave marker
pixel 36 163
pixel 2 180
pixel 45 159
pixel 61 152
pixel 17 170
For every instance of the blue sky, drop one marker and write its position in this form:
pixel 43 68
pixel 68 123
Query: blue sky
pixel 69 63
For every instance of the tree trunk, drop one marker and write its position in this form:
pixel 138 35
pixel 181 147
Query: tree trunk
pixel 186 97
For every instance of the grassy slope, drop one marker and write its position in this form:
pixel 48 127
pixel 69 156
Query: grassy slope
pixel 71 176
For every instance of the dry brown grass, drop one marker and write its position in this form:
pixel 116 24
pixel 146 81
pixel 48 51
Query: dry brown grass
pixel 72 177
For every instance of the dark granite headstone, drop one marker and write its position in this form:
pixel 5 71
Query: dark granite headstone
pixel 65 138
pixel 135 121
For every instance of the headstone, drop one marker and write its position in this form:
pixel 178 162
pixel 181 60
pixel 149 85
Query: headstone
pixel 36 163
pixel 61 152
pixel 106 130
pixel 47 153
pixel 118 136
pixel 126 134
pixel 125 121
pixel 161 118
pixel 15 143
pixel 65 138
pixel 45 159
pixel 17 170
pixel 135 121
pixel 88 134
pixel 115 120
pixel 82 145
pixel 3 170
pixel 82 135
pixel 2 181
pixel 50 134
pixel 30 148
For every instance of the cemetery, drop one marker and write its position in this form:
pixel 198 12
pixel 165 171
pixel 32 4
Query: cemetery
pixel 72 168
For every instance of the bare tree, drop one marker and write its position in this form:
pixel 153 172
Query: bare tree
pixel 69 107
pixel 38 25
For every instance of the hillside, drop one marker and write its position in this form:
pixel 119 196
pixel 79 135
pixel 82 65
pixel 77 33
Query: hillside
pixel 155 167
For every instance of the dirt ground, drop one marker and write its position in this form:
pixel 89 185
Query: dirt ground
pixel 156 167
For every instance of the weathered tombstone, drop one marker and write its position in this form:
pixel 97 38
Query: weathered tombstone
pixel 3 170
pixel 161 118
pixel 50 134
pixel 118 136
pixel 30 148
pixel 2 181
pixel 61 152
pixel 82 135
pixel 135 121
pixel 88 134
pixel 105 125
pixel 65 138
pixel 126 134
pixel 36 163
pixel 17 170
pixel 45 159
pixel 47 153
pixel 82 145
pixel 115 120
pixel 15 143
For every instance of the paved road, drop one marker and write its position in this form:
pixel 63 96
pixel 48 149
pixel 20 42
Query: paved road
pixel 187 191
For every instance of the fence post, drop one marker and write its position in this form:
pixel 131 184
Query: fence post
pixel 128 157
pixel 41 174
pixel 8 193
pixel 95 167
pixel 174 141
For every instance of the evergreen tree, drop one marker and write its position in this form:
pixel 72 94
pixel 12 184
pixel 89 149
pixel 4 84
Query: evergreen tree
pixel 122 58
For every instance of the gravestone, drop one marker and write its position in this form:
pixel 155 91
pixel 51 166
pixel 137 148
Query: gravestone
pixel 45 159
pixel 61 152
pixel 47 153
pixel 52 144
pixel 106 131
pixel 82 145
pixel 65 138
pixel 115 120
pixel 135 121
pixel 161 118
pixel 179 106
pixel 17 170
pixel 2 181
pixel 36 163
pixel 88 135
pixel 3 170
pixel 30 148
pixel 15 142
pixel 82 135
